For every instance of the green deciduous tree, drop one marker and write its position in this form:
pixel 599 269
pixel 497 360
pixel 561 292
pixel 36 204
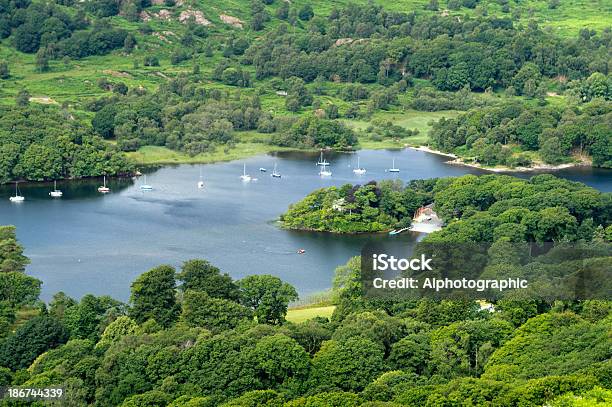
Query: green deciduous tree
pixel 200 275
pixel 154 296
pixel 348 365
pixel 86 319
pixel 11 252
pixel 36 336
pixel 282 361
pixel 214 314
pixel 267 296
pixel 17 289
pixel 116 330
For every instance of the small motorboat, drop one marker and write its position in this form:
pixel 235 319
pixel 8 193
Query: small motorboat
pixel 301 251
pixel 262 169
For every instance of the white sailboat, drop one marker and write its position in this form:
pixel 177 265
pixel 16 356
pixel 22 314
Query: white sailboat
pixel 393 169
pixel 145 186
pixel 322 160
pixel 275 174
pixel 56 193
pixel 245 177
pixel 201 181
pixel 324 171
pixel 104 189
pixel 18 197
pixel 359 170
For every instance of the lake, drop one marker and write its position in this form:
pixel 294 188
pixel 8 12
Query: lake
pixel 87 242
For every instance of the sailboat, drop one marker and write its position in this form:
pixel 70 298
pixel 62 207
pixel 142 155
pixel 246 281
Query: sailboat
pixel 322 160
pixel 359 170
pixel 245 177
pixel 145 186
pixel 393 169
pixel 325 172
pixel 56 193
pixel 17 197
pixel 104 189
pixel 201 181
pixel 275 174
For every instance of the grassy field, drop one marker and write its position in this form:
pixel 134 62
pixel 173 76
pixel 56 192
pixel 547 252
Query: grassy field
pixel 297 315
pixel 151 155
pixel 409 119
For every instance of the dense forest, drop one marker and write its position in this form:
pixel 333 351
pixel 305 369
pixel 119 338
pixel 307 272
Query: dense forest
pixel 44 143
pixel 52 31
pixel 193 79
pixel 368 44
pixel 184 115
pixel 197 337
pixel 489 135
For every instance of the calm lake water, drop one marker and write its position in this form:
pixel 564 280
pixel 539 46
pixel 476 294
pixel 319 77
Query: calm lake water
pixel 92 243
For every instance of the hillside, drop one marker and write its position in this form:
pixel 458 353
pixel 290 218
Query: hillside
pixel 75 80
pixel 386 70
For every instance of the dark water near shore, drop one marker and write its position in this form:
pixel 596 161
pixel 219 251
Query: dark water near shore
pixel 92 243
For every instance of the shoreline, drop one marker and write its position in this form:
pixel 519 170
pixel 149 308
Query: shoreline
pixel 419 227
pixel 501 168
pixel 140 160
pixel 432 151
